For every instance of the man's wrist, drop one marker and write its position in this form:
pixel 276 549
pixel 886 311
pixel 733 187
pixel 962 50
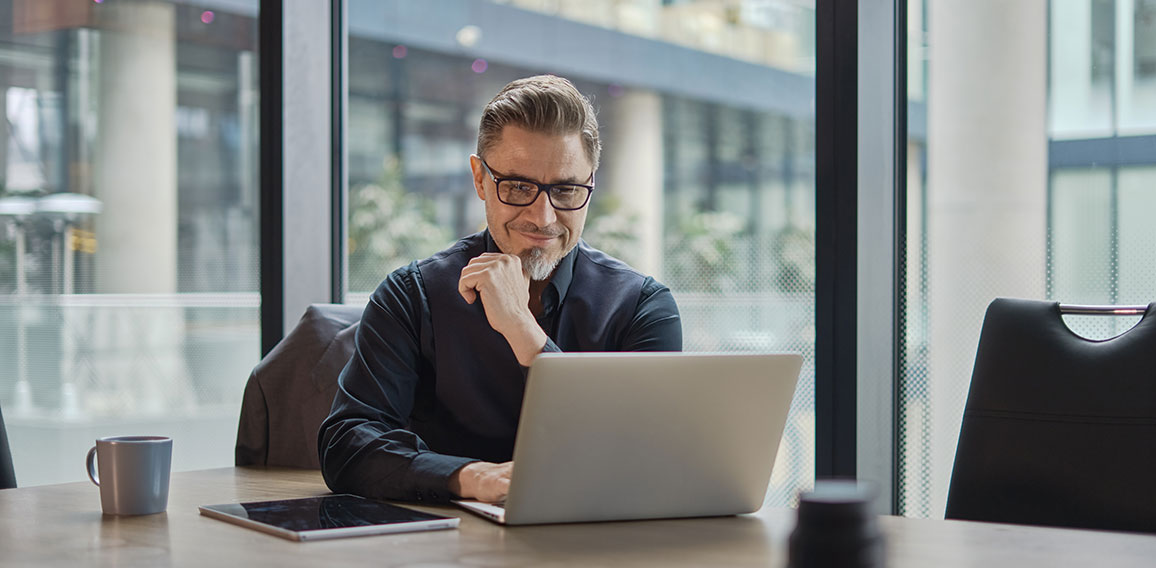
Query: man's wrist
pixel 461 482
pixel 526 340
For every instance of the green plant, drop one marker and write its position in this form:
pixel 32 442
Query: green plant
pixel 388 228
pixel 700 256
pixel 613 230
pixel 793 250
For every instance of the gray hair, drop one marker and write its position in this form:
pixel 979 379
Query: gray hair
pixel 543 103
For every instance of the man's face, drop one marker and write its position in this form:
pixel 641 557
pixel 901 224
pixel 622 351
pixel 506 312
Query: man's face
pixel 538 233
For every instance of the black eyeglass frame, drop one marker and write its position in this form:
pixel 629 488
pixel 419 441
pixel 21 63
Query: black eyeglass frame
pixel 542 188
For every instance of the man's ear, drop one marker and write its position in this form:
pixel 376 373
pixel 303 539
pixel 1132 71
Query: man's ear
pixel 479 174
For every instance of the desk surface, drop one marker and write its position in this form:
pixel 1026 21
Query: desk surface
pixel 61 525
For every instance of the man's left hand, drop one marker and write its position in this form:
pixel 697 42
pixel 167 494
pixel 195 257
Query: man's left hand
pixel 504 289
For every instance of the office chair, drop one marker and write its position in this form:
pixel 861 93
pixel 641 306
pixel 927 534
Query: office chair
pixel 1058 430
pixel 291 390
pixel 7 473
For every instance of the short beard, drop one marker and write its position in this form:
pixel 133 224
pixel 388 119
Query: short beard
pixel 536 264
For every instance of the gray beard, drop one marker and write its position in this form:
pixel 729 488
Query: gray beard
pixel 535 264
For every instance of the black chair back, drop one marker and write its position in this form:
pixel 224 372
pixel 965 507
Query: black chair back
pixel 7 473
pixel 1058 430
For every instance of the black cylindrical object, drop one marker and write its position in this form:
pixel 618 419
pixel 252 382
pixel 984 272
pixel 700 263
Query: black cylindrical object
pixel 836 528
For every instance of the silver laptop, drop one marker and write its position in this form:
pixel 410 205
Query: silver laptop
pixel 618 436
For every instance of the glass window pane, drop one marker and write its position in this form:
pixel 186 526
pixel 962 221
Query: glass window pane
pixel 991 213
pixel 1137 65
pixel 128 286
pixel 710 192
pixel 1137 186
pixel 1081 227
pixel 1083 51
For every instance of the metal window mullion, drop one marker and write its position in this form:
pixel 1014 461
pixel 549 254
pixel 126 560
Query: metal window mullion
pixel 339 187
pixel 881 242
pixel 270 47
pixel 296 162
pixel 899 244
pixel 836 146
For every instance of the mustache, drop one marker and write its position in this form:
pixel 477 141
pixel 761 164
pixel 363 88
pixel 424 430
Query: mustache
pixel 531 228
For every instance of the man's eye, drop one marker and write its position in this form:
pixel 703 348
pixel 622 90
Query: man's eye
pixel 566 191
pixel 522 187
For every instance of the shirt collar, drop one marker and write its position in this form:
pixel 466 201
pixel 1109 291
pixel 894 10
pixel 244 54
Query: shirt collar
pixel 563 274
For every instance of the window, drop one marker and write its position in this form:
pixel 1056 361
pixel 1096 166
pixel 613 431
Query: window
pixel 1007 199
pixel 128 257
pixel 706 182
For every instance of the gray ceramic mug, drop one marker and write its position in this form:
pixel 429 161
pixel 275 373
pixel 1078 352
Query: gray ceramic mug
pixel 133 473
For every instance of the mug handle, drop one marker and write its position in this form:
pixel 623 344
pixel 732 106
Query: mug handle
pixel 92 466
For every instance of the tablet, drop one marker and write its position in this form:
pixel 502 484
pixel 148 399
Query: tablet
pixel 328 516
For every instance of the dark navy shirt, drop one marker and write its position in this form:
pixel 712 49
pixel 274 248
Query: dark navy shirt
pixel 432 387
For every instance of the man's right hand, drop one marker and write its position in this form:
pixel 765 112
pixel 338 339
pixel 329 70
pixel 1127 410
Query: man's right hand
pixel 504 289
pixel 483 481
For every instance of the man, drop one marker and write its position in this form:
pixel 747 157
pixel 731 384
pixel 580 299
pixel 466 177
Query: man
pixel 428 406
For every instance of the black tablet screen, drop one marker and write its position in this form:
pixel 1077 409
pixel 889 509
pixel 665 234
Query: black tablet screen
pixel 327 512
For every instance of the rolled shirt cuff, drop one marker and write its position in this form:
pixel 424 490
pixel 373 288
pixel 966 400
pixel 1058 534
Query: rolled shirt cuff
pixel 430 474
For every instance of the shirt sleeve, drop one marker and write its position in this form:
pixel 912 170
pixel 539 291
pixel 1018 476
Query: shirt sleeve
pixel 363 445
pixel 656 325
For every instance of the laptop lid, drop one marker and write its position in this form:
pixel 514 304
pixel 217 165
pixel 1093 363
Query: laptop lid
pixel 616 436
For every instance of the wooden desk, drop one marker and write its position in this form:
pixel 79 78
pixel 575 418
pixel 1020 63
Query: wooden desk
pixel 61 525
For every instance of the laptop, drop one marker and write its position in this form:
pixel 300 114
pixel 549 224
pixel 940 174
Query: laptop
pixel 625 436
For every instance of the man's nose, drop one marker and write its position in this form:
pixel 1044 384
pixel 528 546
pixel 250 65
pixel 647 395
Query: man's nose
pixel 541 211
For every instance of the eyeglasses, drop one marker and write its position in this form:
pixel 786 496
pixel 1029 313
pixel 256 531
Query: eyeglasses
pixel 523 192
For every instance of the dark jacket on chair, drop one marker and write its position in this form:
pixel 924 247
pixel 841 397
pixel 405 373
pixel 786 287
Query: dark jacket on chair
pixel 290 391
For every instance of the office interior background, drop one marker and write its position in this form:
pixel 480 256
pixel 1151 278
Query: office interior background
pixel 130 175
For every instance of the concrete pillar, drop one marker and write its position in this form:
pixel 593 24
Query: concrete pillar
pixel 987 188
pixel 135 157
pixel 634 178
pixel 135 345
